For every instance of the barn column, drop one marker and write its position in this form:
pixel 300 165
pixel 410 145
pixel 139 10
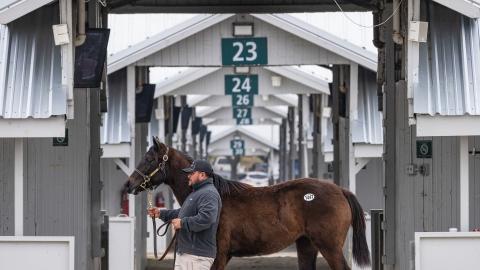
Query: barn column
pixel 18 186
pixel 291 128
pixel 464 185
pixel 352 116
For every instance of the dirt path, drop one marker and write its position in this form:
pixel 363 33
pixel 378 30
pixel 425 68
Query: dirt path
pixel 270 263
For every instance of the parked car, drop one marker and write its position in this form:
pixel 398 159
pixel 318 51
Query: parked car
pixel 221 165
pixel 256 179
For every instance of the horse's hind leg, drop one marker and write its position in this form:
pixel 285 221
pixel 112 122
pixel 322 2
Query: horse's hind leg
pixel 307 254
pixel 333 254
pixel 331 247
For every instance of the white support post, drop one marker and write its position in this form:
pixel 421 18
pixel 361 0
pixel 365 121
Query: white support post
pixel 306 123
pixel 464 188
pixel 160 116
pixel 18 186
pixel 353 115
pixel 413 51
pixel 67 56
pixel 131 123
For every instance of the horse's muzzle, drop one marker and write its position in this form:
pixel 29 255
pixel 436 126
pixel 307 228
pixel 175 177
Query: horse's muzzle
pixel 130 188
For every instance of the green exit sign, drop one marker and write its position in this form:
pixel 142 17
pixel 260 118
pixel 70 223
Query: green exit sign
pixel 241 84
pixel 244 51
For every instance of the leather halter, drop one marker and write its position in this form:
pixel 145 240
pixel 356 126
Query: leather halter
pixel 161 167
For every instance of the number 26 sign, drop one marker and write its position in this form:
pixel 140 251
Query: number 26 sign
pixel 244 51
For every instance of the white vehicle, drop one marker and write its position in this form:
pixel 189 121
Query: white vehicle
pixel 221 166
pixel 256 179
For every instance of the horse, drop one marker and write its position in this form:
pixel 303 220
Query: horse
pixel 313 213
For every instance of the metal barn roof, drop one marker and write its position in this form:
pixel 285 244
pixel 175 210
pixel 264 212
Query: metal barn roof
pixel 162 40
pixel 287 23
pixel 322 39
pixel 235 6
pixel 31 67
pixel 11 10
pixel 190 75
pixel 449 82
pixel 243 131
pixel 470 8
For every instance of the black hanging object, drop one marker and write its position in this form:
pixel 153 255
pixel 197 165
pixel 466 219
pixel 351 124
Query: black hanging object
pixel 176 116
pixel 144 103
pixel 197 123
pixel 203 132
pixel 186 115
pixel 90 58
pixel 209 134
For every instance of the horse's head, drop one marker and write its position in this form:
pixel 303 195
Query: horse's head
pixel 152 170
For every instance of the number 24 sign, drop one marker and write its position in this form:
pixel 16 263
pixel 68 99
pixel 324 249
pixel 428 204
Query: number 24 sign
pixel 244 51
pixel 241 84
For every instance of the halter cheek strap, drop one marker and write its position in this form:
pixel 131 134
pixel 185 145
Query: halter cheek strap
pixel 161 167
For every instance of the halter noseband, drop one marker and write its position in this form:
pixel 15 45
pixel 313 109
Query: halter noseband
pixel 161 167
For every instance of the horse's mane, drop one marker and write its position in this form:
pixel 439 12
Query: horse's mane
pixel 224 187
pixel 228 187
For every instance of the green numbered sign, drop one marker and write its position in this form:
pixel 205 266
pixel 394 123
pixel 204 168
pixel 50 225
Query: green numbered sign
pixel 244 51
pixel 241 84
pixel 239 113
pixel 244 121
pixel 242 100
pixel 238 147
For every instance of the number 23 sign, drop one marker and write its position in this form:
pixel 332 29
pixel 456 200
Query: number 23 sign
pixel 244 51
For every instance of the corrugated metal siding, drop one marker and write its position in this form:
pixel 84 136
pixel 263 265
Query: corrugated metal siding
pixel 115 127
pixel 368 126
pixel 57 186
pixel 449 81
pixel 114 180
pixel 7 149
pixel 30 68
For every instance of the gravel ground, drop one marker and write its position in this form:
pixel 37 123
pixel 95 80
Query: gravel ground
pixel 265 263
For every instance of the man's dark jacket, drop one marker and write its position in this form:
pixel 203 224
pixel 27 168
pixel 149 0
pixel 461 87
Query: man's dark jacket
pixel 200 214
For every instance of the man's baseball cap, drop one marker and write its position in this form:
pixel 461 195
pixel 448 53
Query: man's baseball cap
pixel 199 166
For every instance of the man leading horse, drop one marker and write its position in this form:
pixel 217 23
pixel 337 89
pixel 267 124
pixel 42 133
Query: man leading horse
pixel 196 222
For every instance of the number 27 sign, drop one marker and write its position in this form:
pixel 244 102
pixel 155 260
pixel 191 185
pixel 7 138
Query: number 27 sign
pixel 244 51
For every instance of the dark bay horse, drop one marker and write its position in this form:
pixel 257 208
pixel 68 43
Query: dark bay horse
pixel 314 214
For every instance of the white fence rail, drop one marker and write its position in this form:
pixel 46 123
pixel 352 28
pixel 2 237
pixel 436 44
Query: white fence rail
pixel 37 252
pixel 447 250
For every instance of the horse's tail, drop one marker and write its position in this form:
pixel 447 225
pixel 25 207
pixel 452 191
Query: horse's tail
pixel 361 254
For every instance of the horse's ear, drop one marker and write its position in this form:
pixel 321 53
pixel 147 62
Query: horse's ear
pixel 156 143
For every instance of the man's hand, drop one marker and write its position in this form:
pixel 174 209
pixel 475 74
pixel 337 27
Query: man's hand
pixel 177 223
pixel 154 212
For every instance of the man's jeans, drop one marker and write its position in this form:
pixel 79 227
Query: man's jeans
pixel 192 262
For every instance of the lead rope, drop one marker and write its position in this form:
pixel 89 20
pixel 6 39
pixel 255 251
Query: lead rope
pixel 157 232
